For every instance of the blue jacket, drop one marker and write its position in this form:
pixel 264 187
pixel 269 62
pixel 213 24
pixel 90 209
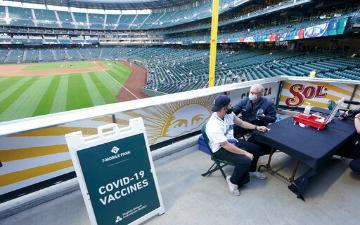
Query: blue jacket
pixel 249 111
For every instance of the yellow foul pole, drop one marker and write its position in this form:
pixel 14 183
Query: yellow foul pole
pixel 213 41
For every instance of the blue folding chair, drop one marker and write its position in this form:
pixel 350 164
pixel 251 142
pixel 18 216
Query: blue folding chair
pixel 218 163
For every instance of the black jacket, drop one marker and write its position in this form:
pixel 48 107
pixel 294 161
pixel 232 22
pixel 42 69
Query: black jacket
pixel 249 111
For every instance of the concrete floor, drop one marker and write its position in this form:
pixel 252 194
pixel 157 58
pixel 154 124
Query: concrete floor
pixel 332 198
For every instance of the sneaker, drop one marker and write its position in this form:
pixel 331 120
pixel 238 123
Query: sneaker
pixel 232 187
pixel 258 175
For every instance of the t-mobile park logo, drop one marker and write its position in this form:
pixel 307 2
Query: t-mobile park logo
pixel 118 219
pixel 115 150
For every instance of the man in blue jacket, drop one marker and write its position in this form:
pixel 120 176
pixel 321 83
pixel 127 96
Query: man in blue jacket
pixel 351 148
pixel 255 109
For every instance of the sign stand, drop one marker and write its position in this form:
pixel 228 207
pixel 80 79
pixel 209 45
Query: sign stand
pixel 116 174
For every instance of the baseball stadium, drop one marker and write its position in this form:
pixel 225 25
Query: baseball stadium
pixel 179 112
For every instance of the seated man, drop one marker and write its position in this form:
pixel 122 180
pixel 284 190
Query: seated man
pixel 255 109
pixel 352 148
pixel 355 165
pixel 243 155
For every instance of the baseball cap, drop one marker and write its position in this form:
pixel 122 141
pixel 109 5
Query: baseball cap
pixel 220 101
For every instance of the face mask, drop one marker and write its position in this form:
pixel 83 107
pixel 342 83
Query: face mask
pixel 229 111
pixel 252 97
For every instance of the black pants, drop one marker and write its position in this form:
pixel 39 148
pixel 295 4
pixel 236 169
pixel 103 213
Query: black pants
pixel 266 149
pixel 239 131
pixel 254 149
pixel 242 163
pixel 351 148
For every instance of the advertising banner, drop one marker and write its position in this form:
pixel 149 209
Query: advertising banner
pixel 299 93
pixel 316 31
pixel 331 27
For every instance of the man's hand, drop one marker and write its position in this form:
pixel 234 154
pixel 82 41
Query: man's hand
pixel 249 155
pixel 343 116
pixel 357 116
pixel 357 123
pixel 262 128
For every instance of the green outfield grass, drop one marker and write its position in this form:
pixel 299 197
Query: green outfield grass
pixel 22 97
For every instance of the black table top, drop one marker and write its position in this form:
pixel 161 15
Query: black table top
pixel 307 144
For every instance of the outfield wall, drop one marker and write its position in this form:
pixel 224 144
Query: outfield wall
pixel 34 150
pixel 152 93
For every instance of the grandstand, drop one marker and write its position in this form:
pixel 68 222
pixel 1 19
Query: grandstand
pixel 172 42
pixel 65 65
pixel 44 17
pixel 173 70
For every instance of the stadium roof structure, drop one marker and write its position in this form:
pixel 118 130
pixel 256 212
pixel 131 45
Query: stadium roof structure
pixel 114 4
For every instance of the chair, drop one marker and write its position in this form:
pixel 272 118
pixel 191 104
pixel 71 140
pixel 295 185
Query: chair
pixel 218 163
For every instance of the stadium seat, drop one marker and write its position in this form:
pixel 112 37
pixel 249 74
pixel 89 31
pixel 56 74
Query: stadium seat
pixel 66 19
pixel 21 16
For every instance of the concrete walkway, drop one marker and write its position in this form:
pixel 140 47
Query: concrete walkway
pixel 332 198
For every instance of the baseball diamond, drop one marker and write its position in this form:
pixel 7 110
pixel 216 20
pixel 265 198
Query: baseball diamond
pixel 35 89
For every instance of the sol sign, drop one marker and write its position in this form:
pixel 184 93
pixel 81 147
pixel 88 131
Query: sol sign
pixel 301 92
